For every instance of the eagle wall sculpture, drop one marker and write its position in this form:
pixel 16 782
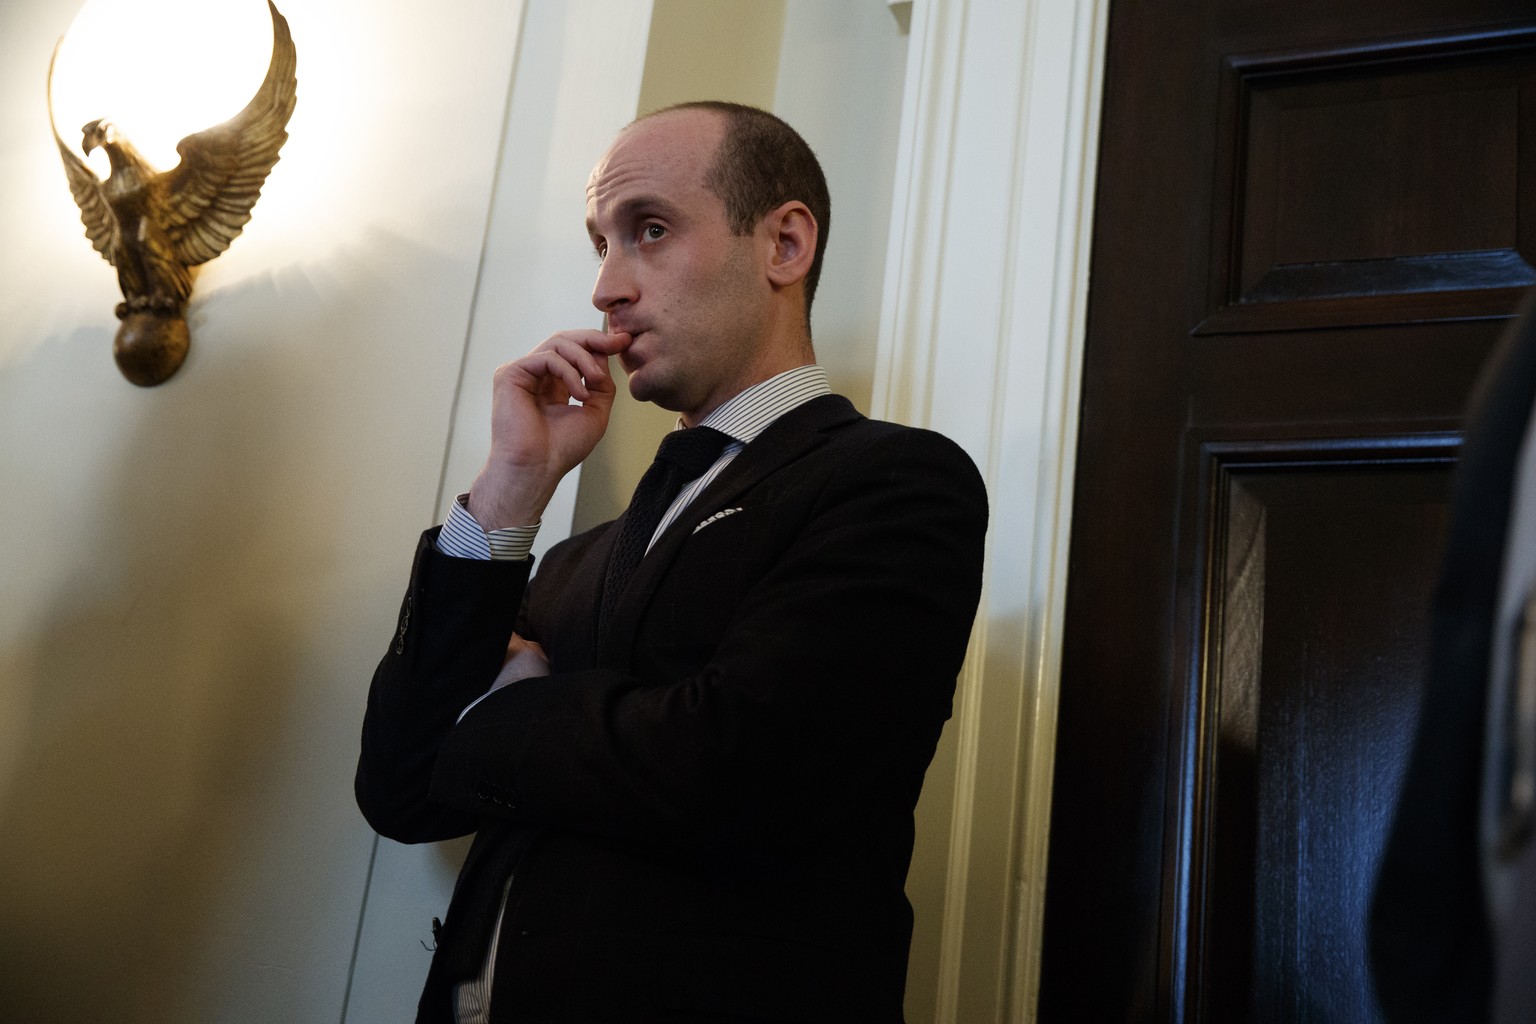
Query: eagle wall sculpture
pixel 155 227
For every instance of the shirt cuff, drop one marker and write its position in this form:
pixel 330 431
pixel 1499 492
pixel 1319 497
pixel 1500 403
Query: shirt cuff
pixel 462 537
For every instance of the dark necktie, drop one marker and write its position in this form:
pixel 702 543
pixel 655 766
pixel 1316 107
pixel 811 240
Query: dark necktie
pixel 684 455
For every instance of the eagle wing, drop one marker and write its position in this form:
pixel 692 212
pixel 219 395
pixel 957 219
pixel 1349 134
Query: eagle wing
pixel 95 214
pixel 209 195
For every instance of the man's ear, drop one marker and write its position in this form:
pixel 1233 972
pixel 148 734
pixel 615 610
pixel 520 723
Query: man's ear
pixel 791 237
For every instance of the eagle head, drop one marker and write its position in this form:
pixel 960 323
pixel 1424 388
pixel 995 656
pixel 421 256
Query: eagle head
pixel 98 133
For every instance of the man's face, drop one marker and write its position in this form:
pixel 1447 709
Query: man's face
pixel 689 293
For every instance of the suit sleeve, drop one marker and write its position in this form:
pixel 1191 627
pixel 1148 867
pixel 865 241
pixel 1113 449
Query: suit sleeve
pixel 824 695
pixel 451 639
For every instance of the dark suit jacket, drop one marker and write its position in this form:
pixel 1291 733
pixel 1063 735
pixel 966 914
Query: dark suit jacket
pixel 1431 948
pixel 708 816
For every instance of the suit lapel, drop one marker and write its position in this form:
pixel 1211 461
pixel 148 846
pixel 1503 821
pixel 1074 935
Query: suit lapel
pixel 787 439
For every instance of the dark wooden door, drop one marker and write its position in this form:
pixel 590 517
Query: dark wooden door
pixel 1313 219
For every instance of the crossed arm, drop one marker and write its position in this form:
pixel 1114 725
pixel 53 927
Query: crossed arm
pixel 822 694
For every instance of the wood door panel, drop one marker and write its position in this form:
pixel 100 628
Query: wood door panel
pixel 1324 150
pixel 1319 560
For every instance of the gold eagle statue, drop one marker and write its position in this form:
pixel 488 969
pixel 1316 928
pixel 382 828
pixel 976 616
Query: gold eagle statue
pixel 156 226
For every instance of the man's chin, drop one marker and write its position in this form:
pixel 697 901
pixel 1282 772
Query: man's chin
pixel 646 386
pixel 640 384
pixel 634 370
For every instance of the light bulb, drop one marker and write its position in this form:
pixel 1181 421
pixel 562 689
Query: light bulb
pixel 159 69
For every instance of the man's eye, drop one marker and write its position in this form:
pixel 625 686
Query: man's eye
pixel 653 232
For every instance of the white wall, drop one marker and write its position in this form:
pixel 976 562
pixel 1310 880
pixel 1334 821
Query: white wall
pixel 197 577
pixel 840 82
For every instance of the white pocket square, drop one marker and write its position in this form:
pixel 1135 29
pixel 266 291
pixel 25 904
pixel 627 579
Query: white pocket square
pixel 716 518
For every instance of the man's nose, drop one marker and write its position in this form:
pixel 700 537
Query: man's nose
pixel 615 286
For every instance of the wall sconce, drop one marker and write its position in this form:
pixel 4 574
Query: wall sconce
pixel 156 227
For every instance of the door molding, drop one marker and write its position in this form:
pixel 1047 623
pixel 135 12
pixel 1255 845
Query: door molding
pixel 982 339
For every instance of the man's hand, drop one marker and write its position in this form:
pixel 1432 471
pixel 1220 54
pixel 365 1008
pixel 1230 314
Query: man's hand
pixel 537 436
pixel 525 659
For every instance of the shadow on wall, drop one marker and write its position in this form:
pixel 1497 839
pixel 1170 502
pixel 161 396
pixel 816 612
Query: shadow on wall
pixel 185 693
pixel 157 695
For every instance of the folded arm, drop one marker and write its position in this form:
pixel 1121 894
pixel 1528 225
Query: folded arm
pixel 823 694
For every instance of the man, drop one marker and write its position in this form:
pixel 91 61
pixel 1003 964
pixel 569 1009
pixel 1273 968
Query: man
pixel 691 779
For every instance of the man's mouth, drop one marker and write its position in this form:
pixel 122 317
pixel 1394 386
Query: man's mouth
pixel 629 356
pixel 636 335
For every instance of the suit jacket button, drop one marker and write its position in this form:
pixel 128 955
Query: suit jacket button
pixel 405 623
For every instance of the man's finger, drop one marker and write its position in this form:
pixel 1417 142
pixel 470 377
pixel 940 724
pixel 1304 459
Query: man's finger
pixel 543 367
pixel 593 366
pixel 601 343
pixel 579 359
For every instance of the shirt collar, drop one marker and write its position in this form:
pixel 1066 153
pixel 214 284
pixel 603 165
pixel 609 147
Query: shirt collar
pixel 752 411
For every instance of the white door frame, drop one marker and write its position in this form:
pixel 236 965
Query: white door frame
pixel 986 287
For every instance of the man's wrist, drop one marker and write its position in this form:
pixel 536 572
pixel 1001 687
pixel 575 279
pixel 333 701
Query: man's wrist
pixel 462 536
pixel 499 504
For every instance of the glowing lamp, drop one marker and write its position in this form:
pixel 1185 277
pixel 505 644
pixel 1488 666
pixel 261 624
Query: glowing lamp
pixel 156 227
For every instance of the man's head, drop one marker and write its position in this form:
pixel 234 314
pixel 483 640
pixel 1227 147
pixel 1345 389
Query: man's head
pixel 711 306
pixel 761 164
